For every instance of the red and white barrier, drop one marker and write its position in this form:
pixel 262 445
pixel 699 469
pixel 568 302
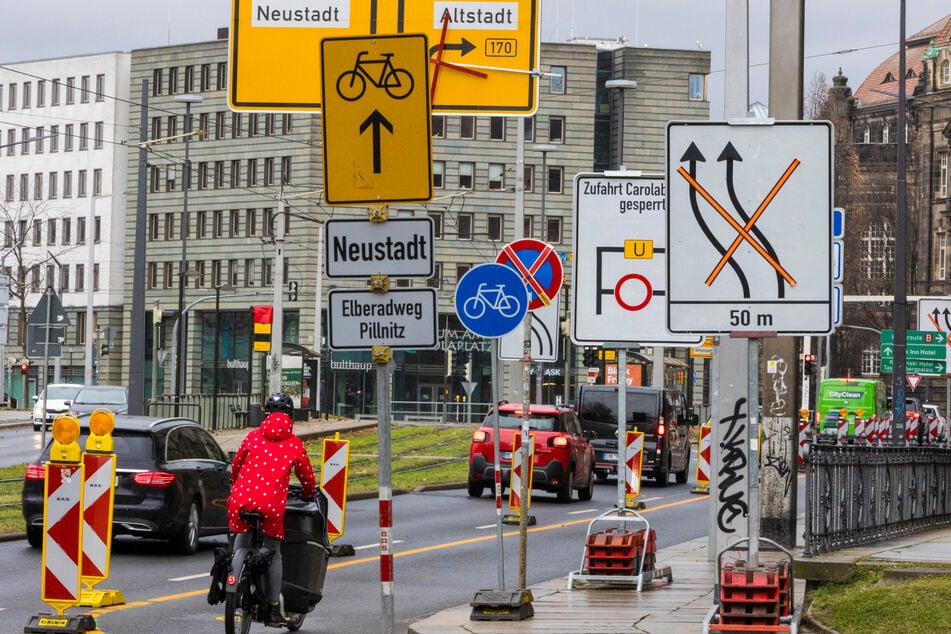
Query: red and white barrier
pixel 333 482
pixel 859 428
pixel 515 481
pixel 98 492
pixel 62 536
pixel 704 448
pixel 633 459
pixel 803 441
pixel 842 433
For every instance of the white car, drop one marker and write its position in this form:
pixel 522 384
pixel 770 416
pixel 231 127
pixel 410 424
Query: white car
pixel 59 397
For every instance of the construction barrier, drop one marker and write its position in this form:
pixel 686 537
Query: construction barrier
pixel 333 482
pixel 515 480
pixel 754 597
pixel 704 447
pixel 633 461
pixel 803 442
pixel 619 552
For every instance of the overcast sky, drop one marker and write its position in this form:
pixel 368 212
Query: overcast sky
pixel 41 29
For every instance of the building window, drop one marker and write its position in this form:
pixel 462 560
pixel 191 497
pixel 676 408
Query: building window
pixel 464 226
pixel 250 271
pixel 12 96
pixel 54 138
pixel 204 121
pixel 67 184
pixel 153 227
pixel 155 178
pixel 189 79
pixel 867 135
pixel 217 223
pixel 253 124
pixel 201 224
pixel 556 130
pixel 40 141
pixel 51 231
pixel 251 222
pixel 268 171
pixel 83 136
pixel 11 142
pixel 287 123
pixel 25 141
pixel 252 172
pixel 64 277
pixel 38 186
pixel 219 174
pixel 234 222
pixel 528 178
pixel 885 133
pixel 53 185
pixel 97 182
pixel 235 125
pixel 168 275
pixel 219 125
pixel 26 95
pixel 285 170
pixel 437 218
pixel 556 81
pixel 878 252
pixel 170 226
pixel 697 87
pixel 941 255
pixel 269 124
pixel 267 222
pixel 233 272
pixel 439 169
pixel 466 127
pixel 173 80
pixel 156 82
pixel 439 126
pixel 35 278
pixel 436 280
pixel 871 361
pixel 100 87
pixel 222 76
pixel 97 136
pixel 497 128
pixel 943 175
pixel 81 184
pixel 84 89
pixel 555 180
pixel 465 175
pixel 40 93
pixel 235 173
pixel 496 177
pixel 54 92
pixel 495 225
pixel 946 72
pixel 24 187
pixel 70 90
pixel 552 230
pixel 528 129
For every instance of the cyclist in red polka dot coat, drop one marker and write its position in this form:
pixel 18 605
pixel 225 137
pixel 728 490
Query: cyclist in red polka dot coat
pixel 260 475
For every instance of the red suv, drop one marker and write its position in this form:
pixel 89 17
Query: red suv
pixel 564 458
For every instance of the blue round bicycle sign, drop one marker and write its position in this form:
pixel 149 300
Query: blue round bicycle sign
pixel 491 300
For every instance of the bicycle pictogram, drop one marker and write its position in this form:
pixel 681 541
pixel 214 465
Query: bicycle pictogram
pixel 380 72
pixel 494 298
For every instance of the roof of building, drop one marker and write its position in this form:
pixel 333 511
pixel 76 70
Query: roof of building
pixel 881 86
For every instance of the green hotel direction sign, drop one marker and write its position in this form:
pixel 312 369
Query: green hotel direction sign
pixel 913 351
pixel 917 366
pixel 916 336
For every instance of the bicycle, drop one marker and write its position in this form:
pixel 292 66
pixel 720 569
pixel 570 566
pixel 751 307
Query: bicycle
pixel 506 305
pixel 397 82
pixel 306 548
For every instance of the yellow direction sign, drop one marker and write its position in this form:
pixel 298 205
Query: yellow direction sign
pixel 376 119
pixel 483 53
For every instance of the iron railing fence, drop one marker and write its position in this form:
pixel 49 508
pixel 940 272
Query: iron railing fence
pixel 858 494
pixel 232 409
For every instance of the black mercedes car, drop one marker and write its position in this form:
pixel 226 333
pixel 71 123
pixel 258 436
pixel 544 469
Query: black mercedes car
pixel 172 482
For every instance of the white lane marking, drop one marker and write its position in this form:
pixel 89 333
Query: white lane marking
pixel 377 545
pixel 485 526
pixel 190 577
pixel 584 511
pixel 653 499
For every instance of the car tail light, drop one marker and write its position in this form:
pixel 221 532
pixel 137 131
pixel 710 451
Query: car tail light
pixel 35 472
pixel 158 479
pixel 480 436
pixel 558 441
pixel 661 428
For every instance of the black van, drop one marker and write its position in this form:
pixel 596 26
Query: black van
pixel 662 415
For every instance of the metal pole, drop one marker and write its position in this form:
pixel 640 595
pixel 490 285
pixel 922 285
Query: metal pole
pixel 90 265
pixel 386 496
pixel 156 320
pixel 901 298
pixel 543 236
pixel 318 317
pixel 214 365
pixel 526 447
pixel 183 264
pixel 46 358
pixel 621 425
pixel 277 325
pixel 137 324
pixel 753 444
pixel 496 458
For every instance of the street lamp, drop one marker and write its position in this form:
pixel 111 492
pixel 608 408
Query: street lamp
pixel 214 379
pixel 188 100
pixel 90 267
pixel 621 85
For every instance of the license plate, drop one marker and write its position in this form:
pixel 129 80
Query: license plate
pixel 506 455
pixel 609 457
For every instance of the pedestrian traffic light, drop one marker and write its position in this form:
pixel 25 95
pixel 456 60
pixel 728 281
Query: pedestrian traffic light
pixel 459 360
pixel 809 364
pixel 24 367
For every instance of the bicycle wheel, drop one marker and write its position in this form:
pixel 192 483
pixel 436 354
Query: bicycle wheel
pixel 399 83
pixel 474 307
pixel 237 621
pixel 509 306
pixel 351 85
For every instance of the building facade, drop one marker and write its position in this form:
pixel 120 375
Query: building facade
pixel 64 130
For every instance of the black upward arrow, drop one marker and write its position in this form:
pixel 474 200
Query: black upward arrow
pixel 465 46
pixel 376 120
pixel 693 156
pixel 730 154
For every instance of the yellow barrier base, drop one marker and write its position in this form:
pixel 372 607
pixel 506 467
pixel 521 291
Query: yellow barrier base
pixel 515 520
pixel 100 598
pixel 703 489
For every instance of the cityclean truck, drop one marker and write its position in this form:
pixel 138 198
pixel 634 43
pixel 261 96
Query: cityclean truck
pixel 865 398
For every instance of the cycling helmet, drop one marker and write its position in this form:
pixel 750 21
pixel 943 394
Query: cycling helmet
pixel 279 402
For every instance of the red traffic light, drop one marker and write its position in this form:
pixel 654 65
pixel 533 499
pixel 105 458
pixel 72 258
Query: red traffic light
pixel 809 358
pixel 24 367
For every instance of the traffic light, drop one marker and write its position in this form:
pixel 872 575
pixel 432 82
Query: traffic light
pixel 105 350
pixel 24 367
pixel 590 356
pixel 809 364
pixel 459 360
